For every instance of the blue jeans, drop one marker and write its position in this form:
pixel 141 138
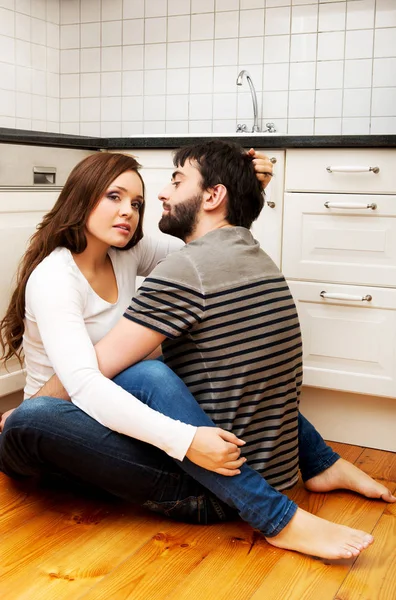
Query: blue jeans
pixel 46 435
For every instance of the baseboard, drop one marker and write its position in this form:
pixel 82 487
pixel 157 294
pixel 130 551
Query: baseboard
pixel 351 418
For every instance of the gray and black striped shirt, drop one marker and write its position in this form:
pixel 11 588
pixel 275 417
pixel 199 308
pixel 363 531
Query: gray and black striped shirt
pixel 234 338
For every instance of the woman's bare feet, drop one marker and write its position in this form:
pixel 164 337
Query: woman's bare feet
pixel 344 475
pixel 311 535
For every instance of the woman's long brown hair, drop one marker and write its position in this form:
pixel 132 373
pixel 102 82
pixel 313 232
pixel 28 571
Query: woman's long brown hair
pixel 64 225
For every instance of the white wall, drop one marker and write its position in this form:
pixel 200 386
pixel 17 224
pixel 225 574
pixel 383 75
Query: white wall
pixel 29 64
pixel 154 66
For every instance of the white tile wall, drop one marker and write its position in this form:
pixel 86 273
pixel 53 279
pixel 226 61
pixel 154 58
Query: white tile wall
pixel 120 67
pixel 30 38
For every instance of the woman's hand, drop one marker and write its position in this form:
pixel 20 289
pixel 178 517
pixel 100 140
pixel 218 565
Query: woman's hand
pixel 216 450
pixel 4 417
pixel 263 167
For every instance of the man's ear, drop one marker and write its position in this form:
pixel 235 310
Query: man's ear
pixel 215 197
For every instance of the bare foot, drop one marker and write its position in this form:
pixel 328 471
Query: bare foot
pixel 311 535
pixel 344 475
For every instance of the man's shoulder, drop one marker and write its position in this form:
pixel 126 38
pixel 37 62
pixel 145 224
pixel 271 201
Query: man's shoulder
pixel 228 257
pixel 179 268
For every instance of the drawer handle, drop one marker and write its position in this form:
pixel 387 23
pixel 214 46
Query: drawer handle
pixel 332 296
pixel 345 169
pixel 271 204
pixel 352 205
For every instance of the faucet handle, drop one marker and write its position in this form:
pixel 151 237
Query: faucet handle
pixel 241 128
pixel 271 127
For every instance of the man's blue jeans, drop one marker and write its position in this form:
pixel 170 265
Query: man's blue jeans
pixel 51 436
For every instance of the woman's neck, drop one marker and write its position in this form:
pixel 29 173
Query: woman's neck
pixel 94 257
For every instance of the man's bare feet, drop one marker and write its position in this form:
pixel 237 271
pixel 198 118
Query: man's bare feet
pixel 344 475
pixel 312 535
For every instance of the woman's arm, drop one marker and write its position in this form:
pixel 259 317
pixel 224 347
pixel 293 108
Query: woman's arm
pixel 150 250
pixel 56 301
pixel 57 305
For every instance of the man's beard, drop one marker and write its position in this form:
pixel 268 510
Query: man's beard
pixel 182 219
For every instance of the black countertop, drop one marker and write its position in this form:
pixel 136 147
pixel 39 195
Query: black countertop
pixel 61 140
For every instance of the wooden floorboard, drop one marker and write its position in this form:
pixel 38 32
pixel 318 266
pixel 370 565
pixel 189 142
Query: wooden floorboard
pixel 70 546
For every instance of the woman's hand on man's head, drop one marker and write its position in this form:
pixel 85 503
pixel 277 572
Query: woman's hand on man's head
pixel 263 167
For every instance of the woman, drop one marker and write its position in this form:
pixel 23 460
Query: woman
pixel 73 286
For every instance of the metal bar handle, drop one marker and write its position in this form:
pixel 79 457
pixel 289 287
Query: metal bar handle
pixel 351 205
pixel 335 296
pixel 352 169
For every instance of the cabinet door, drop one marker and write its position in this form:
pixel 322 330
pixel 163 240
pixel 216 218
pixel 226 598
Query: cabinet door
pixel 156 172
pixel 268 227
pixel 349 344
pixel 324 240
pixel 20 212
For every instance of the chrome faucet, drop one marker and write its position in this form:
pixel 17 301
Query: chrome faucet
pixel 239 81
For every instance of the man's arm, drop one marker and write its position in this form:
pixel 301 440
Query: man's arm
pixel 128 343
pixel 125 345
pixel 54 389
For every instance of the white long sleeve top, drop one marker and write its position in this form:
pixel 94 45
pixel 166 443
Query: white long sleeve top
pixel 65 317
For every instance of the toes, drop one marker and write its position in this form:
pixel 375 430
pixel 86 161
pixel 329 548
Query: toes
pixel 388 496
pixel 348 552
pixel 356 545
pixel 367 540
pixel 361 540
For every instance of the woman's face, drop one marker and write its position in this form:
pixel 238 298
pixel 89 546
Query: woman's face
pixel 114 219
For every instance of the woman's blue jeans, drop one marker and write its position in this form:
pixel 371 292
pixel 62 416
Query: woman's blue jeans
pixel 50 436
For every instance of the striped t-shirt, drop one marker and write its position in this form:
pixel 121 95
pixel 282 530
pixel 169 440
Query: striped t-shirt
pixel 234 338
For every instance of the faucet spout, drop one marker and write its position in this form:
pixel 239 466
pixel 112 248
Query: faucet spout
pixel 253 94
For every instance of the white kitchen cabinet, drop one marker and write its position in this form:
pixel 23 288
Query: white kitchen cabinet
pixel 346 239
pixel 20 212
pixel 22 206
pixel 340 170
pixel 339 257
pixel 157 171
pixel 268 227
pixel 349 343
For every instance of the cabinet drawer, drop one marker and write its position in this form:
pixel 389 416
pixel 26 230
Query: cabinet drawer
pixel 348 345
pixel 346 245
pixel 306 170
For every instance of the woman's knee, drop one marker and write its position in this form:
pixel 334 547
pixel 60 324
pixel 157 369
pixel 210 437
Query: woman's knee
pixel 34 410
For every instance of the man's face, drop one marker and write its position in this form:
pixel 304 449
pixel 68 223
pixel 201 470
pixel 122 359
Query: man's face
pixel 182 200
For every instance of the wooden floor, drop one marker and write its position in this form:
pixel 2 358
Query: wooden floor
pixel 56 545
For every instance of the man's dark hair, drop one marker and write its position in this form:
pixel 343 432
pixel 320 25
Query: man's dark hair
pixel 229 164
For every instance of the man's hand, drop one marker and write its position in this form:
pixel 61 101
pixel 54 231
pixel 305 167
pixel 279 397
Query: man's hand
pixel 54 389
pixel 4 417
pixel 263 167
pixel 216 450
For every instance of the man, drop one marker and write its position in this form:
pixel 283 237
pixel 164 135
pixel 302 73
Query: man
pixel 229 328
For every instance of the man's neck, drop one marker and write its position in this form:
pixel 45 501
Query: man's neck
pixel 205 226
